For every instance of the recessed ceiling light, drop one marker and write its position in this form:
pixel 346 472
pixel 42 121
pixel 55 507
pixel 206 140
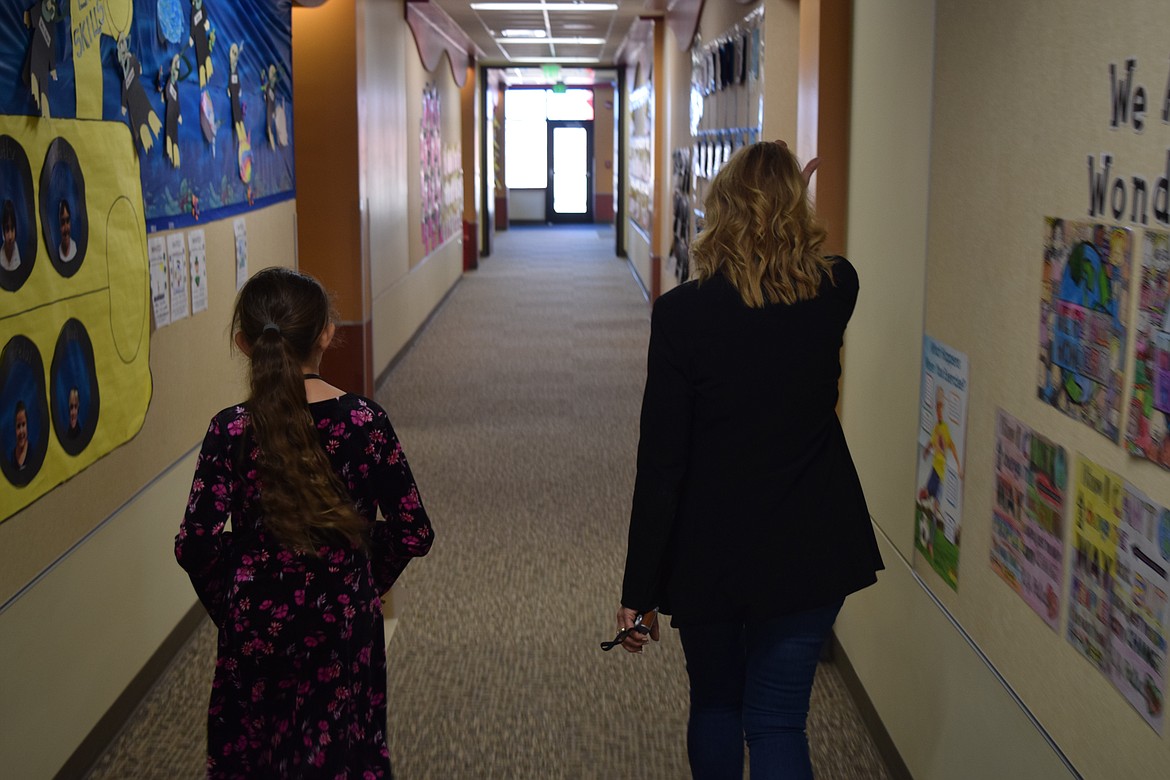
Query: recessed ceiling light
pixel 542 6
pixel 542 60
pixel 522 33
pixel 572 41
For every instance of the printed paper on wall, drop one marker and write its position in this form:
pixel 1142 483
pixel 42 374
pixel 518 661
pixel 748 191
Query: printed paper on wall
pixel 1027 532
pixel 177 276
pixel 1096 523
pixel 197 244
pixel 240 231
pixel 160 288
pixel 1148 428
pixel 1083 313
pixel 942 436
pixel 1140 615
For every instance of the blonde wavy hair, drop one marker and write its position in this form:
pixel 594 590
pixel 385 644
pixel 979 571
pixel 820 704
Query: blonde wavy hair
pixel 760 231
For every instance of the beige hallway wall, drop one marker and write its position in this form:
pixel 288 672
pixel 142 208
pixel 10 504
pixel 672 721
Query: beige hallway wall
pixel 971 123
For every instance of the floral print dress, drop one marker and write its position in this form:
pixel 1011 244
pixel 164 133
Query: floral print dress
pixel 300 679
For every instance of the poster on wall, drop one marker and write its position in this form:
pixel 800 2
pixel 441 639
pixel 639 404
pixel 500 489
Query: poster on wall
pixel 1096 521
pixel 1118 610
pixel 430 167
pixel 1083 314
pixel 197 242
pixel 1027 531
pixel 240 232
pixel 160 287
pixel 202 89
pixel 1140 612
pixel 177 275
pixel 1148 428
pixel 641 130
pixel 942 436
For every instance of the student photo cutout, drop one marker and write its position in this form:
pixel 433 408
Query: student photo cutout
pixel 18 235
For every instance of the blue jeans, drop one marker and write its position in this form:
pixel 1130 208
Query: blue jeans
pixel 752 681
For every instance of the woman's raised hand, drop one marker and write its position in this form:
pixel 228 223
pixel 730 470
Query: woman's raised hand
pixel 810 167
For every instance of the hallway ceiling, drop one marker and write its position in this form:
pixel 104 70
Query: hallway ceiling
pixel 533 32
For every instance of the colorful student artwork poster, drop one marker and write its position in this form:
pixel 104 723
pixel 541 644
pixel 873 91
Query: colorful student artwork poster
pixel 1097 505
pixel 1147 432
pixel 1140 612
pixel 942 436
pixel 1027 532
pixel 201 91
pixel 1083 311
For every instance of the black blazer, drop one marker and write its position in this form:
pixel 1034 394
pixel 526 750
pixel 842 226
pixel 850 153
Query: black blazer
pixel 746 502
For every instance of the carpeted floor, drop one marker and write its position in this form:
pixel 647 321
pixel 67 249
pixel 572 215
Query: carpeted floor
pixel 518 409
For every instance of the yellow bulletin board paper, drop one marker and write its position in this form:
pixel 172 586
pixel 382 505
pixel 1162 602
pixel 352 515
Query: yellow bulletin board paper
pixel 74 332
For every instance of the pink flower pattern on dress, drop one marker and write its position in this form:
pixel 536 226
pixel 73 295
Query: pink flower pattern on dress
pixel 300 680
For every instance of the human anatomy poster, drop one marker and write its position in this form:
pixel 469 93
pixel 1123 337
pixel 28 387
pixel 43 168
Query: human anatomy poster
pixel 942 436
pixel 1027 531
pixel 1148 429
pixel 74 301
pixel 1083 314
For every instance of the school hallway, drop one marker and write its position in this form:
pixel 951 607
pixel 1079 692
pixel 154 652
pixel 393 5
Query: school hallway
pixel 517 405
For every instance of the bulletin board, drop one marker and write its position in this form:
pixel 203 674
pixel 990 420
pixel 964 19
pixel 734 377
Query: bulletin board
pixel 641 150
pixel 108 348
pixel 1046 269
pixel 726 113
pixel 120 118
pixel 75 358
pixel 204 86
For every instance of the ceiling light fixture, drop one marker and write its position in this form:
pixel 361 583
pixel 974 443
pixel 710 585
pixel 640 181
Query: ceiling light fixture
pixel 543 6
pixel 522 34
pixel 570 41
pixel 542 60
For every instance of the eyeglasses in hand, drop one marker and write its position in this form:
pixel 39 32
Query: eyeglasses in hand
pixel 639 628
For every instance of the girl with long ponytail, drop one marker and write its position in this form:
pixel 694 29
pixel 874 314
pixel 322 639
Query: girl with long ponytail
pixel 301 470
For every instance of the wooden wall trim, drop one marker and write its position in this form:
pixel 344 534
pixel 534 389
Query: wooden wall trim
pixel 435 33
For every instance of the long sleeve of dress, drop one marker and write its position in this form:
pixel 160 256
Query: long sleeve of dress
pixel 202 547
pixel 406 531
pixel 663 453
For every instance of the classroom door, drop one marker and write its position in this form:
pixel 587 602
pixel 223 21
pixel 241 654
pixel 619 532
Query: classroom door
pixel 569 196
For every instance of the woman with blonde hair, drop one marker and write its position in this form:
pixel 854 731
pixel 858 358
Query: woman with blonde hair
pixel 749 526
pixel 302 470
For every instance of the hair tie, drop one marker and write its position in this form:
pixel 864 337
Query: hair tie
pixel 271 326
